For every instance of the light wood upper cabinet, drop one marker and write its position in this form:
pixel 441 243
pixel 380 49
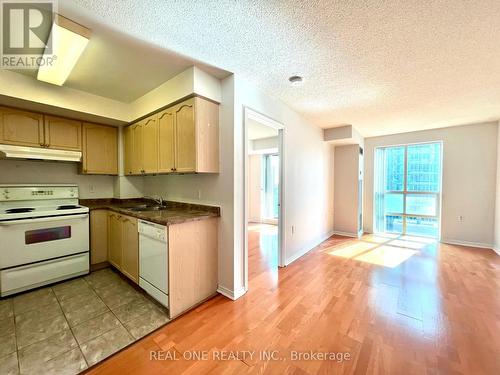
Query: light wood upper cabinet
pixel 137 151
pixel 63 134
pixel 207 136
pixel 185 140
pixel 21 128
pixel 128 150
pixel 100 149
pixel 150 145
pixel 130 248
pixel 114 239
pixel 166 141
pixel 197 136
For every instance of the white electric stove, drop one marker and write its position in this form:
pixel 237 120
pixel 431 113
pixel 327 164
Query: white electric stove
pixel 44 236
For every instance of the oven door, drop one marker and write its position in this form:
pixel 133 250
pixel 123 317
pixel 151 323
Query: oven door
pixel 32 240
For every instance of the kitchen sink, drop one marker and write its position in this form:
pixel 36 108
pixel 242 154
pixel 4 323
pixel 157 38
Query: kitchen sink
pixel 146 208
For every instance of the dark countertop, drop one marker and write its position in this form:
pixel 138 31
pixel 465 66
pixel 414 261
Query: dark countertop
pixel 174 213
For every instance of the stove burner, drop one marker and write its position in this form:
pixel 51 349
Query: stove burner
pixel 68 207
pixel 19 210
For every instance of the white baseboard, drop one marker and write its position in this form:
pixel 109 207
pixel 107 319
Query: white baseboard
pixel 346 234
pixel 470 244
pixel 308 248
pixel 234 295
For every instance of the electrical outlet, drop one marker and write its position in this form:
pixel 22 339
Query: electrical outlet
pixel 199 193
pixel 91 188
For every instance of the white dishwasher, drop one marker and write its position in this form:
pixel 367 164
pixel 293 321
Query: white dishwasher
pixel 153 260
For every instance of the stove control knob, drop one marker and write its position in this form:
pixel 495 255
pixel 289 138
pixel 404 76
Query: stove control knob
pixel 6 193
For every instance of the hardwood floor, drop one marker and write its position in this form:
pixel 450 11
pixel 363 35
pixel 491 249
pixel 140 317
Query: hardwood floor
pixel 396 305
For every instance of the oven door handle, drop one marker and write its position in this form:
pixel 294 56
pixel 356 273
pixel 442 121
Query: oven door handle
pixel 43 219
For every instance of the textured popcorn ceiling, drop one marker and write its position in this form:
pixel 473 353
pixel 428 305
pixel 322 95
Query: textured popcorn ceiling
pixel 382 66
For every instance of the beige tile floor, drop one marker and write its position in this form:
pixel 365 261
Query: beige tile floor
pixel 70 326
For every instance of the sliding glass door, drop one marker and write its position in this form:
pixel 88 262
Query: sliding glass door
pixel 408 189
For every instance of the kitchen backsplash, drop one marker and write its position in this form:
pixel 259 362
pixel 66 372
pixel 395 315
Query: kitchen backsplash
pixel 38 172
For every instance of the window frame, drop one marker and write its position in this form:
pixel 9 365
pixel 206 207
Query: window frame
pixel 405 192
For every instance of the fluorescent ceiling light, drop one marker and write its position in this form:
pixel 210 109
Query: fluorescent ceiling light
pixel 69 40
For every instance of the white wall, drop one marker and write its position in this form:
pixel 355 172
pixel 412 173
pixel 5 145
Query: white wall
pixel 346 190
pixel 469 180
pixel 27 88
pixel 308 180
pixel 497 200
pixel 217 189
pixel 264 144
pixel 43 172
pixel 254 187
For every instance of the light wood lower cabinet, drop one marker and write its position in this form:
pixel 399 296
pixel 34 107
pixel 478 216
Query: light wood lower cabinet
pixel 98 236
pixel 123 244
pixel 192 255
pixel 193 264
pixel 130 248
pixel 115 240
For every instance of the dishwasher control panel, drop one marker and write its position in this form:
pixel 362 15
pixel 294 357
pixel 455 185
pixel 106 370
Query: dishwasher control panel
pixel 152 230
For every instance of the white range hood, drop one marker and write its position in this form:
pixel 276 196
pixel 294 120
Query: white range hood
pixel 19 152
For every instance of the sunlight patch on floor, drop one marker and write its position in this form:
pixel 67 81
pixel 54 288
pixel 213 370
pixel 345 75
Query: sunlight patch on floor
pixel 374 238
pixel 408 244
pixel 418 239
pixel 387 256
pixel 350 250
pixel 385 250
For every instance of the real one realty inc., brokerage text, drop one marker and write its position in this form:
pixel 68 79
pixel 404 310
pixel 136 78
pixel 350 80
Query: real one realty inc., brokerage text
pixel 242 355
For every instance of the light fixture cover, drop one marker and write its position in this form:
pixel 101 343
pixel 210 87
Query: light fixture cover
pixel 68 43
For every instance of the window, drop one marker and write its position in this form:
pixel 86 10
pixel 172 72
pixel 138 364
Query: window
pixel 407 189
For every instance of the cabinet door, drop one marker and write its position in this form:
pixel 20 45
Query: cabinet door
pixel 130 248
pixel 207 136
pixel 63 134
pixel 166 142
pixel 185 137
pixel 150 145
pixel 21 128
pixel 115 239
pixel 136 160
pixel 98 236
pixel 192 259
pixel 128 150
pixel 100 149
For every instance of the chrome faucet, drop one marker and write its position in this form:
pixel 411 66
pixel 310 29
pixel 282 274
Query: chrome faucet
pixel 158 200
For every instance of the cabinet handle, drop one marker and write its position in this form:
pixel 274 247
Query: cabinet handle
pixel 42 144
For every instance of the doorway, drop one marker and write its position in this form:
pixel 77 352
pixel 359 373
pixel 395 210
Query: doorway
pixel 408 189
pixel 263 185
